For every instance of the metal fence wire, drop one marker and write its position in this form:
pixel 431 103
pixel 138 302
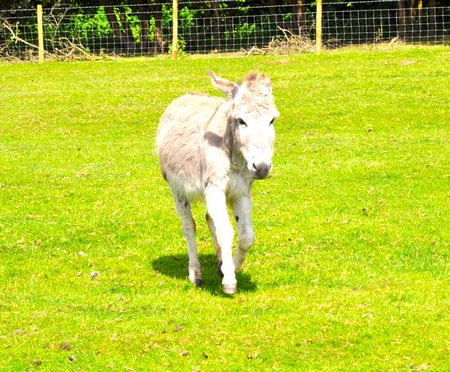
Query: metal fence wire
pixel 217 27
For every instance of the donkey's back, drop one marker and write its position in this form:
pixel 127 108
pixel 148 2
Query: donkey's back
pixel 182 130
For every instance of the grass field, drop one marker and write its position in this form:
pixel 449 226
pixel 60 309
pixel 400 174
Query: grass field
pixel 350 267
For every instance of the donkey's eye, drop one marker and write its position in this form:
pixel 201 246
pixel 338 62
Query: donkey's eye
pixel 241 122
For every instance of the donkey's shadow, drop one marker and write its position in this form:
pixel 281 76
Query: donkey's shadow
pixel 176 266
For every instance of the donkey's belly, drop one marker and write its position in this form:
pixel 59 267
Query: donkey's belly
pixel 187 187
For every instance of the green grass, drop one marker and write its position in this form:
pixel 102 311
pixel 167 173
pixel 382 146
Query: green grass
pixel 350 268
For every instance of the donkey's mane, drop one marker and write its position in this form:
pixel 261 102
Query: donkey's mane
pixel 251 78
pixel 258 83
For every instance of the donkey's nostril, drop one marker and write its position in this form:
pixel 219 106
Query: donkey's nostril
pixel 261 170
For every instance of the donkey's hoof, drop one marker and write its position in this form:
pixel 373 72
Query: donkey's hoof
pixel 197 282
pixel 230 289
pixel 219 270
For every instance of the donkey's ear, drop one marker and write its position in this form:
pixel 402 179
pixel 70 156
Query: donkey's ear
pixel 265 83
pixel 230 89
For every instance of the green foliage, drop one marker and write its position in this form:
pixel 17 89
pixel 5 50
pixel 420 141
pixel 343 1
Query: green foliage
pixel 245 30
pixel 181 48
pixel 167 16
pixel 187 20
pixel 349 271
pixel 131 19
pixel 87 27
pixel 77 27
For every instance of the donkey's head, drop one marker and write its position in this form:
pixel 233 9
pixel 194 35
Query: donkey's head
pixel 252 120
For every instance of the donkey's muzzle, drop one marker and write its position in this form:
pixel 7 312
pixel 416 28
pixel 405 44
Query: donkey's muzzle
pixel 261 170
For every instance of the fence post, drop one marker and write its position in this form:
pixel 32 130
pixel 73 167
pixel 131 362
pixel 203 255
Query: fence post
pixel 318 26
pixel 175 29
pixel 40 34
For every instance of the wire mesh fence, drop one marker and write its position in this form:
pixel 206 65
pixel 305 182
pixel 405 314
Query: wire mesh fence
pixel 217 27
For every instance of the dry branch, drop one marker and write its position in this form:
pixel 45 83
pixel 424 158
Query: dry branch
pixel 13 30
pixel 290 43
pixel 63 49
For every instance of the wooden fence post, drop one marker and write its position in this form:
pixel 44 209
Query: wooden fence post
pixel 175 29
pixel 318 26
pixel 40 34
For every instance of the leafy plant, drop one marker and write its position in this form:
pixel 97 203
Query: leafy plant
pixel 187 20
pixel 181 47
pixel 96 25
pixel 131 19
pixel 245 30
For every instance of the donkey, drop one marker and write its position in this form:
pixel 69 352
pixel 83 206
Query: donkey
pixel 213 148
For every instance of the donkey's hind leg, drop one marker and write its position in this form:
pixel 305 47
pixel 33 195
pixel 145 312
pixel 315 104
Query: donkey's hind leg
pixel 188 224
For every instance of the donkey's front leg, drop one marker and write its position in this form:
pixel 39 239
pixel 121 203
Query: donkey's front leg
pixel 242 209
pixel 217 211
pixel 188 224
pixel 212 229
